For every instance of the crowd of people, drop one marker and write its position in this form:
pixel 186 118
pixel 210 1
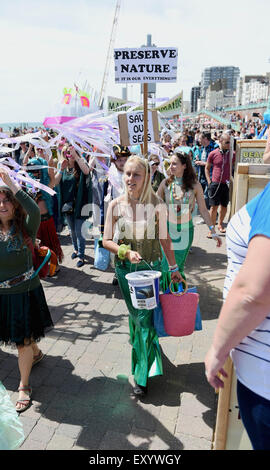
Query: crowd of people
pixel 249 126
pixel 143 207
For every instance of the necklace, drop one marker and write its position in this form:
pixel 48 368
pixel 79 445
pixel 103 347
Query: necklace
pixel 70 169
pixel 177 182
pixel 182 198
pixel 134 198
pixel 4 236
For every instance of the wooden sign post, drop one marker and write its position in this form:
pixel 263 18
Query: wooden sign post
pixel 144 146
pixel 145 114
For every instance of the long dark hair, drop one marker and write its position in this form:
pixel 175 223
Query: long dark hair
pixel 76 169
pixel 189 176
pixel 19 214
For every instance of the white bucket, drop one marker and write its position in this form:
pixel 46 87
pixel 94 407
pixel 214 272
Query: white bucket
pixel 144 289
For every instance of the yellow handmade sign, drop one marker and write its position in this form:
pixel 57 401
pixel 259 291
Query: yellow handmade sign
pixel 174 104
pixel 250 151
pixel 117 104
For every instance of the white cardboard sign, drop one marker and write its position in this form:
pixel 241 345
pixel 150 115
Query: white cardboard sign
pixel 131 126
pixel 136 127
pixel 146 65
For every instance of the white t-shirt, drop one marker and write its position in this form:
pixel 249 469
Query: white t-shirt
pixel 116 181
pixel 251 357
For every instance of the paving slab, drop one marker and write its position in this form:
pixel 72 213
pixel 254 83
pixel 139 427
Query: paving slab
pixel 82 389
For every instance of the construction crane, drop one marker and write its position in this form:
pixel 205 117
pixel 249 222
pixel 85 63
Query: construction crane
pixel 109 54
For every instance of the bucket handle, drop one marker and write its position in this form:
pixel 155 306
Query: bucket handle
pixel 140 262
pixel 179 293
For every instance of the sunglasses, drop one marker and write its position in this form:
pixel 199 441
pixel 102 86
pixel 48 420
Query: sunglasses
pixel 155 164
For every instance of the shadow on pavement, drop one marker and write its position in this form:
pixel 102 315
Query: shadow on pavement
pixel 87 281
pixel 99 412
pixel 69 325
pixel 183 378
pixel 207 271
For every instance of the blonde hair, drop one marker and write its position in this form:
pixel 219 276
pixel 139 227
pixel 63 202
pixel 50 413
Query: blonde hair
pixel 148 196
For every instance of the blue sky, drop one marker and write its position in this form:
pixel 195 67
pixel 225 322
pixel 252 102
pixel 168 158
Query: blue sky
pixel 50 44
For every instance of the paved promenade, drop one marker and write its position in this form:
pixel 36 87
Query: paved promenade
pixel 82 389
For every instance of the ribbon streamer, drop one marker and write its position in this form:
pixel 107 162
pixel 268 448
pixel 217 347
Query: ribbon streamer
pixel 21 177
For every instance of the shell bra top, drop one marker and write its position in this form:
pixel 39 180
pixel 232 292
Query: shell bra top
pixel 142 234
pixel 179 202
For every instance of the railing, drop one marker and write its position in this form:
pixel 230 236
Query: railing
pixel 215 116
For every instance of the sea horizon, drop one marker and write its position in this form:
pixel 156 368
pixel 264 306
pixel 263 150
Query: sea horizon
pixel 7 126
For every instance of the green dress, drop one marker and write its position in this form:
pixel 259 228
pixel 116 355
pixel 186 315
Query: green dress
pixel 156 180
pixel 146 354
pixel 77 192
pixel 24 314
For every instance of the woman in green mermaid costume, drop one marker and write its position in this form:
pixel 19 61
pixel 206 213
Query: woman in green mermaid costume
pixel 180 192
pixel 138 219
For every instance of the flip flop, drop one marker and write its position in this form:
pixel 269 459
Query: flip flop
pixel 24 401
pixel 37 358
pixel 222 230
pixel 209 236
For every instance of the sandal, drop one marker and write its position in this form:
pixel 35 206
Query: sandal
pixel 24 401
pixel 37 358
pixel 222 230
pixel 209 235
pixel 139 390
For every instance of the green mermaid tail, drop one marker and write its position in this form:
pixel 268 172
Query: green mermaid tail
pixel 146 354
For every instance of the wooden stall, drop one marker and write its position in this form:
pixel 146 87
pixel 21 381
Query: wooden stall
pixel 249 180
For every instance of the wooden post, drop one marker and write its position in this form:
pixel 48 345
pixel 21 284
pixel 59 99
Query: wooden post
pixel 145 118
pixel 231 177
pixel 223 409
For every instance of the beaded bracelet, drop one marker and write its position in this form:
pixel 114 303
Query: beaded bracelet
pixel 172 267
pixel 174 270
pixel 122 251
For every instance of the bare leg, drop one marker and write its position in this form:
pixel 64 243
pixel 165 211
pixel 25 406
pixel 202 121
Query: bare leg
pixel 35 349
pixel 222 214
pixel 213 216
pixel 25 361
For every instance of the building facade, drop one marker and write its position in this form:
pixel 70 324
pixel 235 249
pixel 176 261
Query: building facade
pixel 253 89
pixel 194 96
pixel 212 74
